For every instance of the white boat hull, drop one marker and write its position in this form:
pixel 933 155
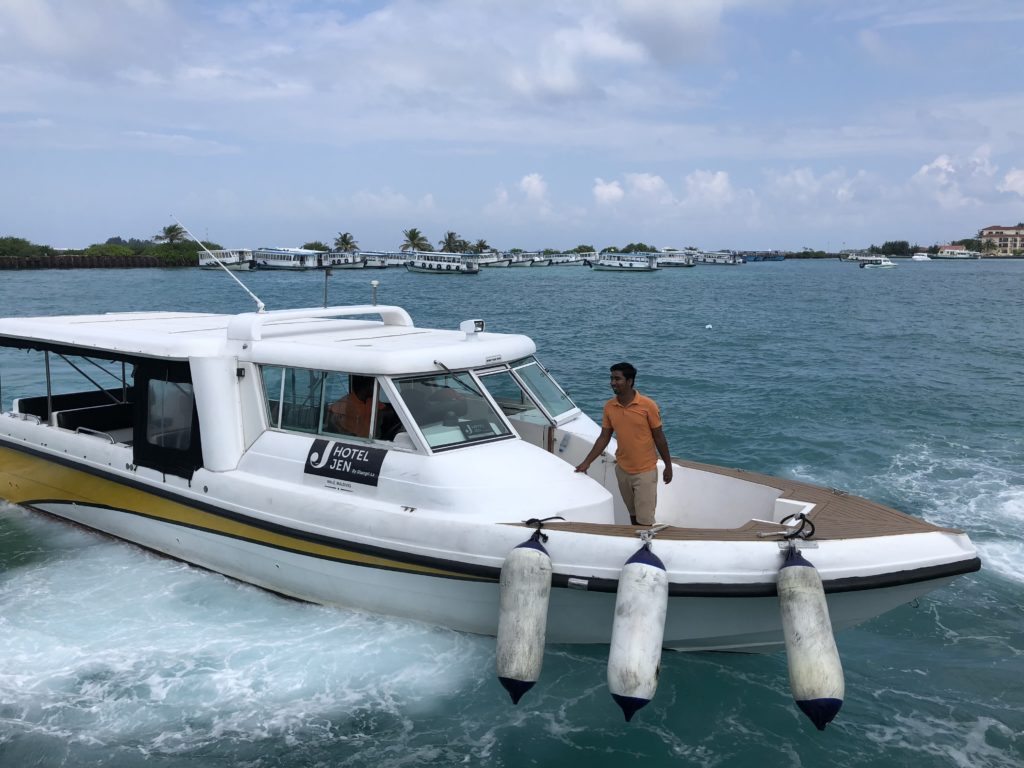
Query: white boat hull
pixel 412 567
pixel 575 616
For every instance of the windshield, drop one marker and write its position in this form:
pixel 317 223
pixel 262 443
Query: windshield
pixel 543 387
pixel 450 410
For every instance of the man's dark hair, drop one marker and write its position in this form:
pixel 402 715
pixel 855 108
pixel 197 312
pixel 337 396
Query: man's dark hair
pixel 627 370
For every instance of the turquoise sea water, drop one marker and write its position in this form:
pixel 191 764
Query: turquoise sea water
pixel 904 385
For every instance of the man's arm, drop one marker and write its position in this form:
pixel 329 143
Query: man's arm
pixel 662 445
pixel 599 445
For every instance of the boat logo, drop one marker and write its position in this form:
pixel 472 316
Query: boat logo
pixel 345 461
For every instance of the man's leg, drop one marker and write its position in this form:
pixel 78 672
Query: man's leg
pixel 626 491
pixel 645 496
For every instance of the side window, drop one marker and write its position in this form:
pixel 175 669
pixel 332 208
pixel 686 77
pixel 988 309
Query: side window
pixel 349 404
pixel 273 378
pixel 169 416
pixel 301 399
pixel 511 398
pixel 328 402
pixel 357 406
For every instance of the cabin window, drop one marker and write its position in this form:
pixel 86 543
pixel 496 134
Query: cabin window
pixel 328 402
pixel 294 397
pixel 169 414
pixel 511 398
pixel 544 388
pixel 451 410
pixel 166 430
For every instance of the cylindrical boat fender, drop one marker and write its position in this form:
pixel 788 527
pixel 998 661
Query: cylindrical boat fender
pixel 638 630
pixel 815 671
pixel 525 587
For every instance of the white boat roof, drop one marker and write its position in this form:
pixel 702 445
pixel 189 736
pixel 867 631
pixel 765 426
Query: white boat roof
pixel 333 338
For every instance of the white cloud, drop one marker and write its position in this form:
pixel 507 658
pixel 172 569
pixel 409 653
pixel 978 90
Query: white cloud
pixel 607 192
pixel 385 203
pixel 178 144
pixel 709 189
pixel 956 182
pixel 802 185
pixel 650 188
pixel 535 188
pixel 528 201
pixel 1013 181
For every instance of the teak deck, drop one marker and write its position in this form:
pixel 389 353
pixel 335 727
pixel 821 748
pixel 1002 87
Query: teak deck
pixel 836 515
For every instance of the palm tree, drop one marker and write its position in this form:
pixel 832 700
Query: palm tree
pixel 481 246
pixel 452 243
pixel 345 242
pixel 415 241
pixel 172 233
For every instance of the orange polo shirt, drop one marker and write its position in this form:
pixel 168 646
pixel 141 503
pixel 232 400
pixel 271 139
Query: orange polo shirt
pixel 632 425
pixel 352 415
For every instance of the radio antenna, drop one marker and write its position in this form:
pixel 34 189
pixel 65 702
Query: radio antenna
pixel 260 306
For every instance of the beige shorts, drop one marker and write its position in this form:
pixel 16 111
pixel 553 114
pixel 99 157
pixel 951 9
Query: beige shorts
pixel 640 493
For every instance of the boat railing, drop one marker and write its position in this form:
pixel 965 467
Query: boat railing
pixel 250 326
pixel 95 433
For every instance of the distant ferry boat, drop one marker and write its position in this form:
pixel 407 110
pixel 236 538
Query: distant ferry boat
pixel 495 259
pixel 235 259
pixel 719 257
pixel 434 262
pixel 626 262
pixel 685 258
pixel 965 254
pixel 572 259
pixel 286 258
pixel 342 260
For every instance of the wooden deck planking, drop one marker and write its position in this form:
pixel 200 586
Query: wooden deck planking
pixel 836 515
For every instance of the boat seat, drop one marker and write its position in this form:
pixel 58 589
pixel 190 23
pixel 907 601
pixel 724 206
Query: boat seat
pixel 402 440
pixel 99 418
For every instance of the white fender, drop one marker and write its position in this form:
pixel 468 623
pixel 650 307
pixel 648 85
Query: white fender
pixel 525 587
pixel 815 671
pixel 634 658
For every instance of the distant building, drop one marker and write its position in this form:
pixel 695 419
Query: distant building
pixel 1005 240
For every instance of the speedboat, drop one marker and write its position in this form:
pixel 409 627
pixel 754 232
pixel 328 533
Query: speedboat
pixel 345 456
pixel 877 262
pixel 920 256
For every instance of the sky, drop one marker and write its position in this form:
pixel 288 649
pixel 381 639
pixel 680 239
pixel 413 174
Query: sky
pixel 745 124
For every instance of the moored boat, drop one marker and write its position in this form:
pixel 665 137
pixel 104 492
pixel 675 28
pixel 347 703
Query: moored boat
pixel 625 262
pixel 877 262
pixel 295 259
pixel 234 259
pixel 342 260
pixel 371 463
pixel 439 263
pixel 677 259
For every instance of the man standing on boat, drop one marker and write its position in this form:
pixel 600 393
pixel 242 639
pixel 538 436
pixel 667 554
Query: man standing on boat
pixel 636 423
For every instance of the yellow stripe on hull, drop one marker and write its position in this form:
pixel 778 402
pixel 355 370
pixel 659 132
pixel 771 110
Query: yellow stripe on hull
pixel 26 479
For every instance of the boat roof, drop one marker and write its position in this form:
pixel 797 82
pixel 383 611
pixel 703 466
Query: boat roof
pixel 332 338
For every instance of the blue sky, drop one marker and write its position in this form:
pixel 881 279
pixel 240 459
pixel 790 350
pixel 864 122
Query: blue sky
pixel 715 123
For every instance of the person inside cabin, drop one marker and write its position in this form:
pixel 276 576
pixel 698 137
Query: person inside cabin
pixel 635 420
pixel 351 414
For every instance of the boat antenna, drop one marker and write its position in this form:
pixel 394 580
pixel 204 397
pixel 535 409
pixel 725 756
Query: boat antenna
pixel 260 306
